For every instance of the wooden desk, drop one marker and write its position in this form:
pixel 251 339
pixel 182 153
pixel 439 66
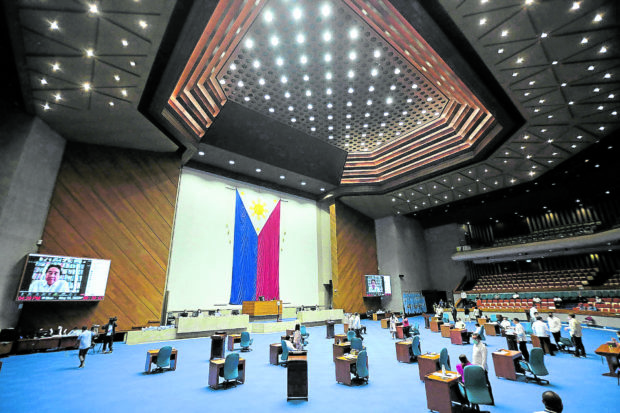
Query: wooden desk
pixel 340 338
pixel 427 320
pixel 345 327
pixel 378 316
pixel 232 339
pixel 435 325
pixel 217 346
pixel 442 391
pixel 385 323
pixel 399 331
pixel 611 354
pixel 290 332
pixel 491 329
pixel 255 308
pixel 459 336
pixel 445 330
pixel 151 357
pixel 297 377
pixel 482 321
pixel 216 366
pixel 403 351
pixel 505 363
pixel 428 363
pixel 343 368
pixel 275 349
pixel 341 349
pixel 537 343
pixel 511 341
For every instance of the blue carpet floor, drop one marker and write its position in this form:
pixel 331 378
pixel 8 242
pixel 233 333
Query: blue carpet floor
pixel 50 382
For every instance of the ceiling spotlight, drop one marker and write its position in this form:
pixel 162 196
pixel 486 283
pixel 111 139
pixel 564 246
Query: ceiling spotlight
pixel 326 10
pixel 132 63
pixel 369 102
pixel 389 100
pixel 349 104
pixel 310 108
pixel 54 25
pixel 58 97
pixel 328 91
pixel 598 18
pixel 261 81
pixel 256 64
pixel 584 40
pixel 282 177
pixel 327 36
pixel 350 74
pixel 93 9
pixel 371 88
pixel 267 97
pixel 575 5
pixel 500 51
pixel 124 92
pixel 274 40
pixel 240 83
pixel 297 13
pixel 308 93
pixel 46 106
pixel 327 57
pixel 249 43
pixel 201 153
pixel 396 71
pixel 258 170
pixel 300 38
pixel 607 76
pixel 56 67
pixel 271 110
pixel 374 72
pixel 233 66
pixel 90 53
pixel 290 108
pixel 86 86
pixel 125 43
pixel 519 60
pixel 543 35
pixel 306 78
pixel 483 21
pixel 603 49
pixel 352 55
pixel 351 90
pixel 504 33
pixel 247 98
pixel 377 53
pixel 414 86
pixel 354 33
pixel 43 81
pixel 143 24
pixel 268 16
pixel 111 103
pixel 279 61
pixel 283 79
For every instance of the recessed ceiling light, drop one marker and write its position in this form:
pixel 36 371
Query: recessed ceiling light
pixel 306 78
pixel 256 64
pixel 611 96
pixel 92 8
pixel 563 85
pixel 271 110
pixel 327 36
pixel 330 137
pixel 233 66
pixel 322 189
pixel 584 40
pixel 350 74
pixel 268 16
pixel 118 78
pixel 143 24
pixel 414 86
pixel 543 35
pixel 483 21
pixel 327 57
pixel 354 33
pixel 352 55
pixel 90 53
pixel 519 60
pixel 310 108
pixel 58 97
pixel 374 72
pixel 111 103
pixel 46 106
pixel 329 105
pixel 274 40
pixel 603 49
pixel 300 38
pixel 326 10
pixel 132 63
pixel 389 100
pixel 575 5
pixel 303 59
pixel 240 83
pixel 504 33
pixel 201 153
pixel 377 54
pixel 249 43
pixel 297 13
pixel 555 62
pixel 261 81
pixel 596 90
pixel 86 86
pixel 283 79
pixel 598 18
pixel 328 91
pixel 43 81
pixel 258 170
pixel 282 177
pixel 308 93
pixel 54 25
pixel 571 102
pixel 500 51
pixel 125 43
pixel 247 98
pixel 396 71
pixel 124 92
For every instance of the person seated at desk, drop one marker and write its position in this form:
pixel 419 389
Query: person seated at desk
pixel 406 327
pixel 298 341
pixel 461 366
pixel 515 295
pixel 504 323
pixel 217 313
pixel 592 307
pixel 552 403
pixel 74 332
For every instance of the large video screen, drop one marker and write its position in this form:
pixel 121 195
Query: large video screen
pixel 58 278
pixel 377 285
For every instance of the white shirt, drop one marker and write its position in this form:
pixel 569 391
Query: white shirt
pixel 505 324
pixel 459 324
pixel 555 324
pixel 479 355
pixel 40 286
pixel 540 328
pixel 533 311
pixel 520 332
pixel 357 323
pixel 463 295
pixel 575 327
pixel 85 339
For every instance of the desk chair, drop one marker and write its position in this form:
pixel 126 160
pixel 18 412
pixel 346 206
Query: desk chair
pixel 475 388
pixel 360 368
pixel 304 333
pixel 356 344
pixel 415 330
pixel 163 359
pixel 446 318
pixel 284 356
pixel 480 332
pixel 246 341
pixel 230 373
pixel 566 344
pixel 415 347
pixel 444 359
pixel 493 318
pixel 535 367
pixel 350 335
pixel 528 328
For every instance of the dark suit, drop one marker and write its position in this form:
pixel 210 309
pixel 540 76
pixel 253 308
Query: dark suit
pixel 108 339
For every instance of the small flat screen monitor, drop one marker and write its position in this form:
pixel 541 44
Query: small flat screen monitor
pixel 61 278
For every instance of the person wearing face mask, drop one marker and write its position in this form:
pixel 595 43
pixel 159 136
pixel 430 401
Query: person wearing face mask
pixel 52 282
pixel 479 358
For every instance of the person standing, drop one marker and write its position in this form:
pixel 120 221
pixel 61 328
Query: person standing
pixel 393 321
pixel 466 312
pixel 108 338
pixel 521 339
pixel 453 310
pixel 479 358
pixel 461 366
pixel 357 325
pixel 85 340
pixel 574 327
pixel 533 313
pixel 541 330
pixel 555 326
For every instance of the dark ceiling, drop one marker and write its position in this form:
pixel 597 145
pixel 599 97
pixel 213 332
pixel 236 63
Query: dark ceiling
pixel 392 107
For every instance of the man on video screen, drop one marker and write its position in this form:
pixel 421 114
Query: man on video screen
pixel 52 282
pixel 373 288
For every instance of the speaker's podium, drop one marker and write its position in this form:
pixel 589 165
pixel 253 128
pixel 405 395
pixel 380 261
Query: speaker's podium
pixel 261 308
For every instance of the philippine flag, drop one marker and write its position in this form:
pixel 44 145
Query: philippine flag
pixel 256 250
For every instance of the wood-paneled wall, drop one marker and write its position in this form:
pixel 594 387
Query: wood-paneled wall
pixel 354 254
pixel 114 204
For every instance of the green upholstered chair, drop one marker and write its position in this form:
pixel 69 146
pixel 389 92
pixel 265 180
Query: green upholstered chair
pixel 415 330
pixel 246 341
pixel 415 347
pixel 566 344
pixel 163 359
pixel 356 344
pixel 350 335
pixel 360 368
pixel 475 387
pixel 493 318
pixel 230 373
pixel 446 318
pixel 284 356
pixel 303 331
pixel 444 359
pixel 480 331
pixel 535 367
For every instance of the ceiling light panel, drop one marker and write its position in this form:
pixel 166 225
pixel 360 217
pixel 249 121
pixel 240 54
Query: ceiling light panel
pixel 333 63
